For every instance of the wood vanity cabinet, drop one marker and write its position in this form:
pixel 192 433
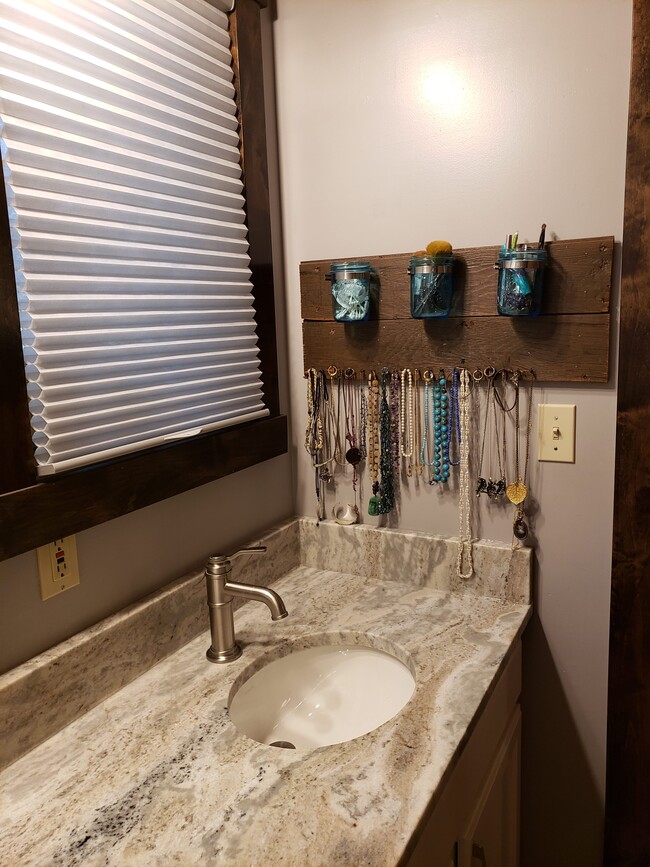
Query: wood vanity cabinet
pixel 474 821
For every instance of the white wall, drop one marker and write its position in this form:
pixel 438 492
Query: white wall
pixel 400 122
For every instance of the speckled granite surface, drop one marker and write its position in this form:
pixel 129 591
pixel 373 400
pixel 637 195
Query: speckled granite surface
pixel 419 558
pixel 157 775
pixel 42 696
pixel 39 698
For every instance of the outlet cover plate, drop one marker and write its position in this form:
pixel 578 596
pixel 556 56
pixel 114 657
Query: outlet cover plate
pixel 58 568
pixel 556 432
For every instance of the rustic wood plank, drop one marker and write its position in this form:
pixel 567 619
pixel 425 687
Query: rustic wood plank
pixel 627 830
pixel 577 280
pixel 570 348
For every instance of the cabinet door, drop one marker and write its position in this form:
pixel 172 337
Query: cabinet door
pixel 491 838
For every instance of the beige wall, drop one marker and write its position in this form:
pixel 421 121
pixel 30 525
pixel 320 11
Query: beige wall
pixel 125 559
pixel 400 122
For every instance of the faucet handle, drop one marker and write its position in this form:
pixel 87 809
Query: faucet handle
pixel 252 549
pixel 218 559
pixel 219 564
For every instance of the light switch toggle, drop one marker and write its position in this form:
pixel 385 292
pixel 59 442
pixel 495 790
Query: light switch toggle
pixel 556 433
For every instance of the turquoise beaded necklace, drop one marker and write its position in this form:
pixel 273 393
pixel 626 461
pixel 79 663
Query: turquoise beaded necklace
pixel 439 414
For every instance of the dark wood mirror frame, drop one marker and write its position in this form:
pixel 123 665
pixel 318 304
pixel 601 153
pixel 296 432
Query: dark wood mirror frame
pixel 33 513
pixel 627 809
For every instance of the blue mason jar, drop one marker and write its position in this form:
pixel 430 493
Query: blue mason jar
pixel 431 286
pixel 521 275
pixel 350 290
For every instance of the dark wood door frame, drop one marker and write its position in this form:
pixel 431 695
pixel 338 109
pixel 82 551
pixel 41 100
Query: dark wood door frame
pixel 627 812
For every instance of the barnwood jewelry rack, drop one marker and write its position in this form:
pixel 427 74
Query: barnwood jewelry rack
pixel 568 342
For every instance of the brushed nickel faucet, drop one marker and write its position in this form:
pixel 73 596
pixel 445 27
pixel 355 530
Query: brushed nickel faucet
pixel 221 592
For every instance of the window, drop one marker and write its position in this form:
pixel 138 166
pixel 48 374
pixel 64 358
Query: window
pixel 112 394
pixel 124 189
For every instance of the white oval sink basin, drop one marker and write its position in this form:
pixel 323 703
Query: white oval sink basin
pixel 322 695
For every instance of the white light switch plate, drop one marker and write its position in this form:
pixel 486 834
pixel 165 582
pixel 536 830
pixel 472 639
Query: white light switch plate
pixel 556 433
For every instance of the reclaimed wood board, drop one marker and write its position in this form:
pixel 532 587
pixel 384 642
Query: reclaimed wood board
pixel 543 344
pixel 568 342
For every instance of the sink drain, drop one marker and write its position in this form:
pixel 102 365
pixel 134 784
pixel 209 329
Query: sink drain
pixel 285 745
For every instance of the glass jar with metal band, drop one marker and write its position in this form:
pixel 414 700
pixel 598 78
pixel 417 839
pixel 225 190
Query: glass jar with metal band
pixel 431 286
pixel 350 290
pixel 521 274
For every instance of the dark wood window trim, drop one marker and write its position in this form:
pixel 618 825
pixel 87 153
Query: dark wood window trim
pixel 33 513
pixel 627 807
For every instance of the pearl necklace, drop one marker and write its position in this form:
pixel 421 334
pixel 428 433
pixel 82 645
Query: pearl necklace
pixel 464 500
pixel 407 423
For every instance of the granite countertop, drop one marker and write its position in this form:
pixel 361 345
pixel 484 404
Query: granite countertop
pixel 157 774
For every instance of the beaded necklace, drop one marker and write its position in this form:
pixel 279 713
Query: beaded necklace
pixel 395 422
pixel 314 430
pixel 418 466
pixel 373 441
pixel 441 470
pixel 386 489
pixel 440 416
pixel 454 419
pixel 464 501
pixel 406 419
pixel 363 427
pixel 316 436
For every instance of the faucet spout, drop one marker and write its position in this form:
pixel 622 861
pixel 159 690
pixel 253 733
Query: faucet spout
pixel 259 594
pixel 221 592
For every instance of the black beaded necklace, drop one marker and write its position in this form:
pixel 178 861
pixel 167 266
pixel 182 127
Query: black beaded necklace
pixel 386 488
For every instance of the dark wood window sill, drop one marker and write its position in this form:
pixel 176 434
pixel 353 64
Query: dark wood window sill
pixel 36 515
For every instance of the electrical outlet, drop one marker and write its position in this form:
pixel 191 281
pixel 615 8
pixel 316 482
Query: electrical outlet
pixel 58 568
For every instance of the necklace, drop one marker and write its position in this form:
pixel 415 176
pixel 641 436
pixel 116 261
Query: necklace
pixel 454 419
pixel 373 441
pixel 363 426
pixel 314 430
pixel 335 415
pixel 386 489
pixel 464 502
pixel 494 488
pixel 440 431
pixel 353 453
pixel 315 436
pixel 519 525
pixel 427 376
pixel 406 419
pixel 395 423
pixel 516 491
pixel 417 423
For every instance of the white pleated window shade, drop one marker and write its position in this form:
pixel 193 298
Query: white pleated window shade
pixel 121 157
